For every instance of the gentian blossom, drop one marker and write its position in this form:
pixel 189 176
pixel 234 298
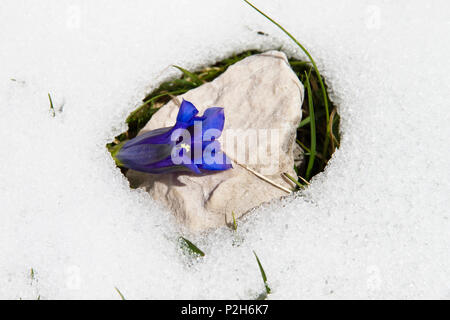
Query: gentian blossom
pixel 190 145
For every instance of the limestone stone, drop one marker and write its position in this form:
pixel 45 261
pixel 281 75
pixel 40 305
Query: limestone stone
pixel 262 97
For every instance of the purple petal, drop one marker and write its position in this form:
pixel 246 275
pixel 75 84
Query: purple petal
pixel 143 154
pixel 186 113
pixel 224 165
pixel 152 151
pixel 214 158
pixel 161 135
pixel 214 119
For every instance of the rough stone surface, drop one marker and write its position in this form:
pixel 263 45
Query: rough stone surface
pixel 259 92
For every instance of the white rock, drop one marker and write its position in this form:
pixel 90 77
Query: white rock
pixel 259 92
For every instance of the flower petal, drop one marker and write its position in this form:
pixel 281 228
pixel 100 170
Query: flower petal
pixel 152 151
pixel 143 154
pixel 186 113
pixel 224 165
pixel 193 167
pixel 161 135
pixel 214 158
pixel 214 119
pixel 185 118
pixel 167 165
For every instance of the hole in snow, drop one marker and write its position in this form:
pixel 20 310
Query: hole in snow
pixel 317 134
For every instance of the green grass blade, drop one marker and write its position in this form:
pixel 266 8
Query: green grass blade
pixel 299 63
pixel 263 273
pixel 120 294
pixel 194 78
pixel 313 130
pixel 304 122
pixel 307 120
pixel 322 85
pixel 303 146
pixel 175 92
pixel 294 180
pixel 51 105
pixel 192 247
pixel 234 221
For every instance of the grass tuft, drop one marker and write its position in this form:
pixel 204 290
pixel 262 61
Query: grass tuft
pixel 190 76
pixel 330 131
pixel 312 150
pixel 319 77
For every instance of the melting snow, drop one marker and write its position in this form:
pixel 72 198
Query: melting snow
pixel 375 224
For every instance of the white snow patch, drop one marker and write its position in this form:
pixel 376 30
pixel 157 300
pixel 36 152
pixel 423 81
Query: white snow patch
pixel 375 224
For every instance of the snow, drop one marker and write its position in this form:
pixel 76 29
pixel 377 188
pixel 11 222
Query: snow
pixel 375 224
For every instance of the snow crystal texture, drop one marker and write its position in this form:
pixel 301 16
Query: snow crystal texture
pixel 375 224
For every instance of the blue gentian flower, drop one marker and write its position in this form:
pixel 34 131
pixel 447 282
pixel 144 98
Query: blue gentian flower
pixel 189 145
